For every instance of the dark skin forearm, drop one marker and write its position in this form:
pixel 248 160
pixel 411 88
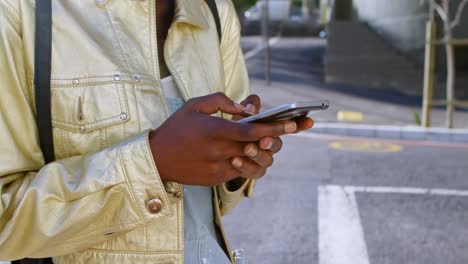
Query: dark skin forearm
pixel 208 158
pixel 195 148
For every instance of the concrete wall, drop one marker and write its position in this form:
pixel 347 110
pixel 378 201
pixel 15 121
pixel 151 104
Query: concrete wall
pixel 359 56
pixel 403 24
pixel 380 44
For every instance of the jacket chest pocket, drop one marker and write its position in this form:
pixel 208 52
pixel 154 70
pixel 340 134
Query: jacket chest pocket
pixel 88 114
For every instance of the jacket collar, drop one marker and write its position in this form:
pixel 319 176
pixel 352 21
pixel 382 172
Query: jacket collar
pixel 190 12
pixel 186 11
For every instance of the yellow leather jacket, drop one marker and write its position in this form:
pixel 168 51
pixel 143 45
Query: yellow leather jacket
pixel 91 205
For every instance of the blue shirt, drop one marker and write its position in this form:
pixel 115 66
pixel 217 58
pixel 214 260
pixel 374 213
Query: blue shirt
pixel 200 240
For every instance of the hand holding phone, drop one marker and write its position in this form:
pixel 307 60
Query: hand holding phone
pixel 289 111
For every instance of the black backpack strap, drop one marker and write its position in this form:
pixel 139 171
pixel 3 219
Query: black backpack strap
pixel 33 261
pixel 214 10
pixel 42 68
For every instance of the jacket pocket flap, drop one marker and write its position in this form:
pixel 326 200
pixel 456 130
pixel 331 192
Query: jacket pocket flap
pixel 84 108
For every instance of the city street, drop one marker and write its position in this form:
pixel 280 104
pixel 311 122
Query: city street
pixel 337 200
pixel 404 223
pixel 382 178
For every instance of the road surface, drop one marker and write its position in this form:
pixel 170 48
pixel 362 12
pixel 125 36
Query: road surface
pixel 333 200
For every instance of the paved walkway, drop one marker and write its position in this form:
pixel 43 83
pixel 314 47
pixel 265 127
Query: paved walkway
pixel 297 74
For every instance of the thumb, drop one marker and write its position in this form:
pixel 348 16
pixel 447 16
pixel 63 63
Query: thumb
pixel 253 100
pixel 213 103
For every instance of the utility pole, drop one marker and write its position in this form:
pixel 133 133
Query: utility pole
pixel 266 39
pixel 450 54
pixel 324 12
pixel 305 9
pixel 429 67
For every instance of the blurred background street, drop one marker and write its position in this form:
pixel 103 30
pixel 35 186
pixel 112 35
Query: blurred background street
pixel 332 198
pixel 383 178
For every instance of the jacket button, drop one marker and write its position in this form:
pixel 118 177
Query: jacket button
pixel 154 205
pixel 173 189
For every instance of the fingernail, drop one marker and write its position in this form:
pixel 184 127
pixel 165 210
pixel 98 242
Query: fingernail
pixel 290 127
pixel 266 143
pixel 239 106
pixel 269 145
pixel 252 151
pixel 250 108
pixel 236 162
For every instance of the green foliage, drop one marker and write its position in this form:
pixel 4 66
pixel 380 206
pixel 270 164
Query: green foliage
pixel 417 118
pixel 297 3
pixel 242 5
pixel 313 3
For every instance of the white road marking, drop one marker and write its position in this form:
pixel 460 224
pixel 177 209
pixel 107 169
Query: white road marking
pixel 260 48
pixel 406 190
pixel 341 238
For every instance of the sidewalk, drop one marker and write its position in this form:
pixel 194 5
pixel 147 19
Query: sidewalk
pixel 297 75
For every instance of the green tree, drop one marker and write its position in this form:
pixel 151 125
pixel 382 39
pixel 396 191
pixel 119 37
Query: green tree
pixel 242 5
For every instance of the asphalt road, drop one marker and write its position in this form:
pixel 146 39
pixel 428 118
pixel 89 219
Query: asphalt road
pixel 399 224
pixel 336 200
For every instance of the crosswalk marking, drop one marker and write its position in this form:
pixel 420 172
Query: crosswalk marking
pixel 341 236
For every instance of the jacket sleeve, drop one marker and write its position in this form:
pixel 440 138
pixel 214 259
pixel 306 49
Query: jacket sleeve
pixel 237 88
pixel 70 204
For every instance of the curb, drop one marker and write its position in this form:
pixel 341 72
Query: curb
pixel 393 132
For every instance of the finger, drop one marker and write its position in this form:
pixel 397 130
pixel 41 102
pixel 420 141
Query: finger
pixel 263 158
pixel 213 103
pixel 248 168
pixel 227 149
pixel 304 124
pixel 252 107
pixel 253 100
pixel 250 110
pixel 273 144
pixel 230 172
pixel 254 132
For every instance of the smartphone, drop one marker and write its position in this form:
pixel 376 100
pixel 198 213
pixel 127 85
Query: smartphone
pixel 289 111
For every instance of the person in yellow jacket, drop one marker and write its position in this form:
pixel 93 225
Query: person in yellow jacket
pixel 144 170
